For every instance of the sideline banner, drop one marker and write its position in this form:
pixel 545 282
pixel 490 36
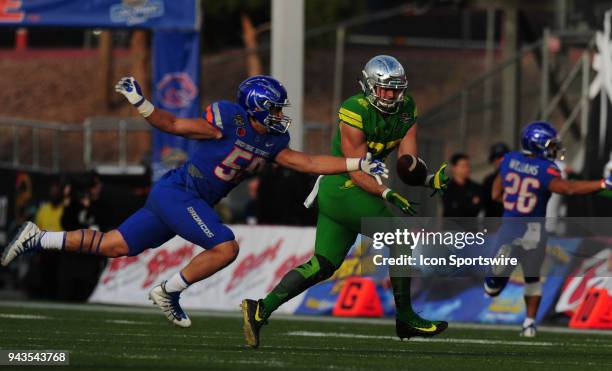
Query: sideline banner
pixel 595 272
pixel 459 298
pixel 157 14
pixel 176 80
pixel 267 253
pixel 176 51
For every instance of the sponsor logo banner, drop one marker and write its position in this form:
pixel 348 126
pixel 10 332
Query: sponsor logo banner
pixel 595 272
pixel 176 82
pixel 266 254
pixel 156 14
pixel 458 298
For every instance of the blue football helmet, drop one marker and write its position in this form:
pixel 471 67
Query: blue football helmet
pixel 258 95
pixel 540 139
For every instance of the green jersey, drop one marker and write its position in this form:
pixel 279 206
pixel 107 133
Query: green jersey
pixel 382 133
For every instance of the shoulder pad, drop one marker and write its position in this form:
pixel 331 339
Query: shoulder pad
pixel 351 111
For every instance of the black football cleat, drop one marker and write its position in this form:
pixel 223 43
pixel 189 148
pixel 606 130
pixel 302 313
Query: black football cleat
pixel 253 320
pixel 419 328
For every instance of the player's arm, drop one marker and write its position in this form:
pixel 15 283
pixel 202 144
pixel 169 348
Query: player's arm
pixel 497 189
pixel 353 143
pixel 578 187
pixel 197 128
pixel 408 145
pixel 321 164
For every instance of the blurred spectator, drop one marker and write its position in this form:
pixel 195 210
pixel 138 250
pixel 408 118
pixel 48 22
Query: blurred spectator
pixel 462 198
pixel 78 273
pixel 49 213
pixel 41 275
pixel 493 208
pixel 77 213
pixel 281 193
pixel 249 214
pixel 223 209
pixel 100 207
pixel 24 206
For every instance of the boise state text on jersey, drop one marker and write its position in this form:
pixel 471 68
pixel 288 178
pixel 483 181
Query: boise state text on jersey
pixel 525 180
pixel 217 166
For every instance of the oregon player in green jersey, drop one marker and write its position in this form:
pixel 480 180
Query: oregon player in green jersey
pixel 378 120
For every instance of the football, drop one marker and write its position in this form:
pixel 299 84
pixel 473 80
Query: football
pixel 411 171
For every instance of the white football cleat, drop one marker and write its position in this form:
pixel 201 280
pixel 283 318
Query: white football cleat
pixel 168 302
pixel 26 240
pixel 529 331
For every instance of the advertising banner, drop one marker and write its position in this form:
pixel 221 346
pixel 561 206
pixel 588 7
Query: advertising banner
pixel 595 272
pixel 266 254
pixel 157 14
pixel 176 78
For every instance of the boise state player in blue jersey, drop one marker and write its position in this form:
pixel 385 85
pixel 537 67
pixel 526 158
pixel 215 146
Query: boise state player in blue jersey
pixel 525 183
pixel 234 141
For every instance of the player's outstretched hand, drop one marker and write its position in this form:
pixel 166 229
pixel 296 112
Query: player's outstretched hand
pixel 438 181
pixel 375 168
pixel 400 201
pixel 129 87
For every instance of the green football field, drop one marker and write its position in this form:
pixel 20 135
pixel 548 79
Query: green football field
pixel 111 338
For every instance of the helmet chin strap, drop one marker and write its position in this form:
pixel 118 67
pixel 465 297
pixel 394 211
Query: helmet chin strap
pixel 258 126
pixel 376 102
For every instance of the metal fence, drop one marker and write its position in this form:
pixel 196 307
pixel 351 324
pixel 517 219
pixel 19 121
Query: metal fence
pixel 119 144
pixel 466 114
pixel 107 144
pixel 473 118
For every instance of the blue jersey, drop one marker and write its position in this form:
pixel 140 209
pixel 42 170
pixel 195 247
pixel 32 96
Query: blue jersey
pixel 217 166
pixel 525 180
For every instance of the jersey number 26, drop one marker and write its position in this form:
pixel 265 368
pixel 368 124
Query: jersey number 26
pixel 523 188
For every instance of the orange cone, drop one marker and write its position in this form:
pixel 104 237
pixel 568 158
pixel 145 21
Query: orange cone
pixel 594 312
pixel 358 298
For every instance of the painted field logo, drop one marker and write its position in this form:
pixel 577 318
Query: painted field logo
pixel 176 90
pixel 133 12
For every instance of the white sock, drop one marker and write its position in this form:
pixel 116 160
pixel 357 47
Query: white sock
pixel 528 322
pixel 176 283
pixel 53 240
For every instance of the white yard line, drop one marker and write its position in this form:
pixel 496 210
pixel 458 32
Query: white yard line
pixel 237 314
pixel 421 340
pixel 128 322
pixel 21 316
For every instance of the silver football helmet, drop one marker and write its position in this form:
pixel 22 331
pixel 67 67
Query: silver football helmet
pixel 384 71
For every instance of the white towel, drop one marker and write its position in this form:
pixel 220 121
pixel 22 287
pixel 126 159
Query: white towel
pixel 313 194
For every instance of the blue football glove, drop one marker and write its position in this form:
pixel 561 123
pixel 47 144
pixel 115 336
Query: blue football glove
pixel 129 87
pixel 375 168
pixel 438 181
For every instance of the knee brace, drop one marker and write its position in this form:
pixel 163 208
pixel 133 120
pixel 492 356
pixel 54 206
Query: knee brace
pixel 317 269
pixel 533 286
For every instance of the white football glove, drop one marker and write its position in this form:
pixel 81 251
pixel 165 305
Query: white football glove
pixel 607 183
pixel 375 168
pixel 129 87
